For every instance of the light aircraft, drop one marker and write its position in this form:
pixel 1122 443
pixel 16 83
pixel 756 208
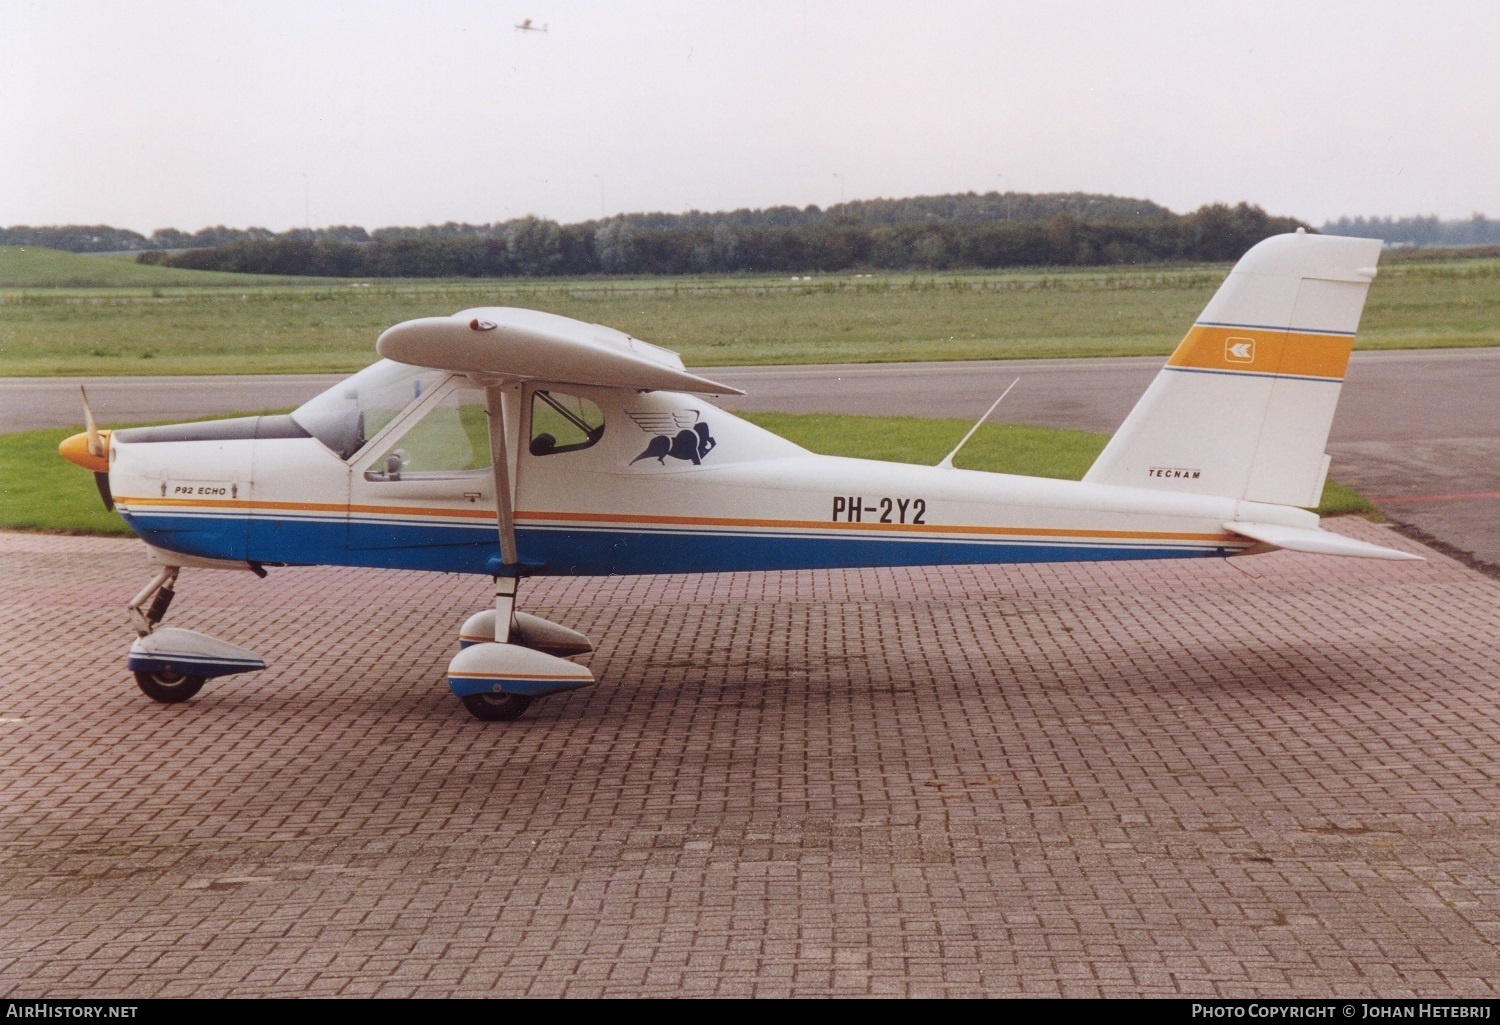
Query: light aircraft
pixel 527 26
pixel 510 443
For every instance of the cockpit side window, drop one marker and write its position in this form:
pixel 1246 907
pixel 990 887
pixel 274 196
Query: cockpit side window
pixel 352 412
pixel 563 423
pixel 452 439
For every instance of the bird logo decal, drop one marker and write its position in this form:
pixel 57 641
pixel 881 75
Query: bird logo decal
pixel 679 434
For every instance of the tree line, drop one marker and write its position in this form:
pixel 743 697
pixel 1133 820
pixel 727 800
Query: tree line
pixel 535 247
pixel 1477 230
pixel 101 238
pixel 970 229
pixel 967 207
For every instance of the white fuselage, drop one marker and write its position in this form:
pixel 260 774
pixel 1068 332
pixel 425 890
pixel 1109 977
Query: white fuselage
pixel 670 484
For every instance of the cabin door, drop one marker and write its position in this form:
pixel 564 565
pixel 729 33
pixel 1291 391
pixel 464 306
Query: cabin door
pixel 422 491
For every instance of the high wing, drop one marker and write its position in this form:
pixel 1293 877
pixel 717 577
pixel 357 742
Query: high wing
pixel 511 344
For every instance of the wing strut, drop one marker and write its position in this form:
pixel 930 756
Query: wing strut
pixel 498 679
pixel 505 582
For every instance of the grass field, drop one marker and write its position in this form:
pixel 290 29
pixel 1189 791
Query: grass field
pixel 103 315
pixel 40 491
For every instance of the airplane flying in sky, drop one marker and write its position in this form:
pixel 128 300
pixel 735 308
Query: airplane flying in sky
pixel 510 443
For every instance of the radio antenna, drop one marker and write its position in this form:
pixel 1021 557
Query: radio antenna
pixel 947 462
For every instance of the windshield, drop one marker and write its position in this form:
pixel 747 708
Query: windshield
pixel 351 412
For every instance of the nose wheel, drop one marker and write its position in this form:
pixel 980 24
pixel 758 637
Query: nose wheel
pixel 167 685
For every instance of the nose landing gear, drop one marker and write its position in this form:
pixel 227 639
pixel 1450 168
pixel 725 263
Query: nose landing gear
pixel 171 664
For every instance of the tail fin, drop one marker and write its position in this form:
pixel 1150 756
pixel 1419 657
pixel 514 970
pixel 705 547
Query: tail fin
pixel 1243 407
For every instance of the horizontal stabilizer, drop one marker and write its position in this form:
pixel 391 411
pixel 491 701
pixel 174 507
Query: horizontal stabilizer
pixel 1315 541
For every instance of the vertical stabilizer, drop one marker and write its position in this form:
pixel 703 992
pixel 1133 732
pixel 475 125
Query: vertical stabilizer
pixel 1243 407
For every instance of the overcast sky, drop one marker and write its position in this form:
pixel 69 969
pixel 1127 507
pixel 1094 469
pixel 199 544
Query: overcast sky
pixel 158 113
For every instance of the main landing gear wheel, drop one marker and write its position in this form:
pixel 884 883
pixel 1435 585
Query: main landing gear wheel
pixel 493 707
pixel 167 686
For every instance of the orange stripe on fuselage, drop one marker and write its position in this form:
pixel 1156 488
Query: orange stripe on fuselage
pixel 327 507
pixel 1264 351
pixel 615 519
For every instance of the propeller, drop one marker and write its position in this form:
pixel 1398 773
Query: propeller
pixel 96 440
pixel 90 450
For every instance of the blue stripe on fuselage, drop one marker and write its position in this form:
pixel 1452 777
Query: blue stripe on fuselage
pixel 580 551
